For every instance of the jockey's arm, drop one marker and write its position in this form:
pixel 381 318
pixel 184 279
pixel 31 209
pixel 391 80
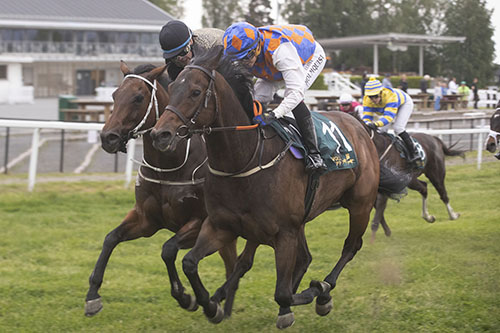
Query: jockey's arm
pixel 287 61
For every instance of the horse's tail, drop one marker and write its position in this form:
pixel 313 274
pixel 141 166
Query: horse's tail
pixel 393 182
pixel 448 151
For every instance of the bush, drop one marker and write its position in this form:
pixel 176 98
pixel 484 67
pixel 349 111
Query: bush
pixel 319 84
pixel 413 81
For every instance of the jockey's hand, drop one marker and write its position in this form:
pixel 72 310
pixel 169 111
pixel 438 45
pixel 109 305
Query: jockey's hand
pixel 265 118
pixel 372 126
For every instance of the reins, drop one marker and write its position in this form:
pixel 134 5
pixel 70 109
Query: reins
pixel 386 150
pixel 188 123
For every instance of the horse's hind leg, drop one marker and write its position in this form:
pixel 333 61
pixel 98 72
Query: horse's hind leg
pixel 437 179
pixel 130 228
pixel 379 218
pixel 421 187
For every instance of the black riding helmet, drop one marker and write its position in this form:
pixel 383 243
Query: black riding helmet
pixel 174 37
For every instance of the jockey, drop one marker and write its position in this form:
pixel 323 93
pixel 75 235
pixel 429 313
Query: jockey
pixel 179 44
pixel 349 105
pixel 393 106
pixel 281 55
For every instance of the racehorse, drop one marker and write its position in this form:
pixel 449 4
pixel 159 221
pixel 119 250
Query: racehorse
pixel 169 188
pixel 256 190
pixel 434 169
pixel 494 135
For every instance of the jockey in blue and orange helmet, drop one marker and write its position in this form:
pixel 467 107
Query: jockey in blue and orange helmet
pixel 281 55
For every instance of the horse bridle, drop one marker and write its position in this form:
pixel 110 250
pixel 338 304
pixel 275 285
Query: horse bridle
pixel 188 123
pixel 492 133
pixel 135 133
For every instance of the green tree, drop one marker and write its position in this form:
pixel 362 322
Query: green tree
pixel 474 57
pixel 258 13
pixel 173 7
pixel 220 13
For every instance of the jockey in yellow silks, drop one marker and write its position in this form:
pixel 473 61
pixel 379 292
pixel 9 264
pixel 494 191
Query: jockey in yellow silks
pixel 392 106
pixel 281 55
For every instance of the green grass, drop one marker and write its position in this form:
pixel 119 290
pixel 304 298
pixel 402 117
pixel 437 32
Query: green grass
pixel 441 277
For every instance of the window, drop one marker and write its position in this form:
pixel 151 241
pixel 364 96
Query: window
pixel 3 72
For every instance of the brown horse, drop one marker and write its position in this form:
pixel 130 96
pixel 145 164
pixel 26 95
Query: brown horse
pixel 256 190
pixel 434 170
pixel 494 135
pixel 169 188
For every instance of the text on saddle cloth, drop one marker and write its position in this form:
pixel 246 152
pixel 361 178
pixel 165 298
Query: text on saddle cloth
pixel 334 147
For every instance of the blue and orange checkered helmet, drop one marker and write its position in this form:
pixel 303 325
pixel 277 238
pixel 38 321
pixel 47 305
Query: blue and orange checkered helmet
pixel 240 39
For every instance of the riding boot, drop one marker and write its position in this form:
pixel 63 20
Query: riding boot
pixel 412 151
pixel 305 123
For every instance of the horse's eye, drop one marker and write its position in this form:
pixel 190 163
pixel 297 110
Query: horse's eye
pixel 138 99
pixel 196 93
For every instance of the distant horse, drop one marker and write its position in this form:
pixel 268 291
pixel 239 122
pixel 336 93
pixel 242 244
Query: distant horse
pixel 256 190
pixel 434 170
pixel 494 135
pixel 169 187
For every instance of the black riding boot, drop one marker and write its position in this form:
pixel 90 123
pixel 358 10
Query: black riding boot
pixel 304 120
pixel 413 156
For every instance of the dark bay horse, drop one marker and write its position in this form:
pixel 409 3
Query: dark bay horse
pixel 256 190
pixel 169 187
pixel 494 135
pixel 434 170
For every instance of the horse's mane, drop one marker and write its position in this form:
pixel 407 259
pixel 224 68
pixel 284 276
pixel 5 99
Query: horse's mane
pixel 237 76
pixel 164 79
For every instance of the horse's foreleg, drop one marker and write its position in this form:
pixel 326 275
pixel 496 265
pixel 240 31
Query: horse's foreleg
pixel 285 251
pixel 421 187
pixel 379 218
pixel 358 221
pixel 228 290
pixel 209 240
pixel 129 229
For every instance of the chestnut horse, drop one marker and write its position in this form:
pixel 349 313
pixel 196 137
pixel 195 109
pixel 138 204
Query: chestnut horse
pixel 434 170
pixel 169 187
pixel 256 190
pixel 494 135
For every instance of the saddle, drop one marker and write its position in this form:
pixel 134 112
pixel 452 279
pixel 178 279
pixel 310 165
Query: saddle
pixel 404 153
pixel 335 149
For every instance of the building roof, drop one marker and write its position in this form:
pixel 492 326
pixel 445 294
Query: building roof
pixel 83 14
pixel 389 39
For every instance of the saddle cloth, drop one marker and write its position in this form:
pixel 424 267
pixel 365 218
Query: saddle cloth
pixel 334 147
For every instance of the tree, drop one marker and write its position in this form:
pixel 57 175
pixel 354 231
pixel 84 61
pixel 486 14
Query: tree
pixel 173 7
pixel 474 57
pixel 258 13
pixel 220 13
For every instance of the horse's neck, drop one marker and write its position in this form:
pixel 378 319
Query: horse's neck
pixel 230 150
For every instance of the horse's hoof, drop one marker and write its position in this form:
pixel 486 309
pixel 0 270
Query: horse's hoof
pixel 430 219
pixel 193 306
pixel 93 307
pixel 219 315
pixel 324 309
pixel 455 216
pixel 285 321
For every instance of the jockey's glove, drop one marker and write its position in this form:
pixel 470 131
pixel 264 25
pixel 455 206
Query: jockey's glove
pixel 372 126
pixel 265 118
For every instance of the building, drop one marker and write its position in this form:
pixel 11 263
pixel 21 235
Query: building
pixel 52 47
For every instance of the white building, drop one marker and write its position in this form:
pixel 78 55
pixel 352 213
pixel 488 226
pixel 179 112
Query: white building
pixel 53 47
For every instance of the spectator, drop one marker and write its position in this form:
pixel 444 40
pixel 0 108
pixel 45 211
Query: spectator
pixel 386 82
pixel 424 84
pixel 465 92
pixel 452 86
pixel 475 88
pixel 438 94
pixel 403 84
pixel 364 79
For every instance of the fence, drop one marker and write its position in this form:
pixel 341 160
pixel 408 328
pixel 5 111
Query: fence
pixel 481 132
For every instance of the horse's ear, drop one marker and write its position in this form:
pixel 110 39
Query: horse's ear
pixel 156 73
pixel 124 68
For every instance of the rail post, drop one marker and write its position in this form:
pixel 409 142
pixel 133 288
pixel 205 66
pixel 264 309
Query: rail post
pixel 33 159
